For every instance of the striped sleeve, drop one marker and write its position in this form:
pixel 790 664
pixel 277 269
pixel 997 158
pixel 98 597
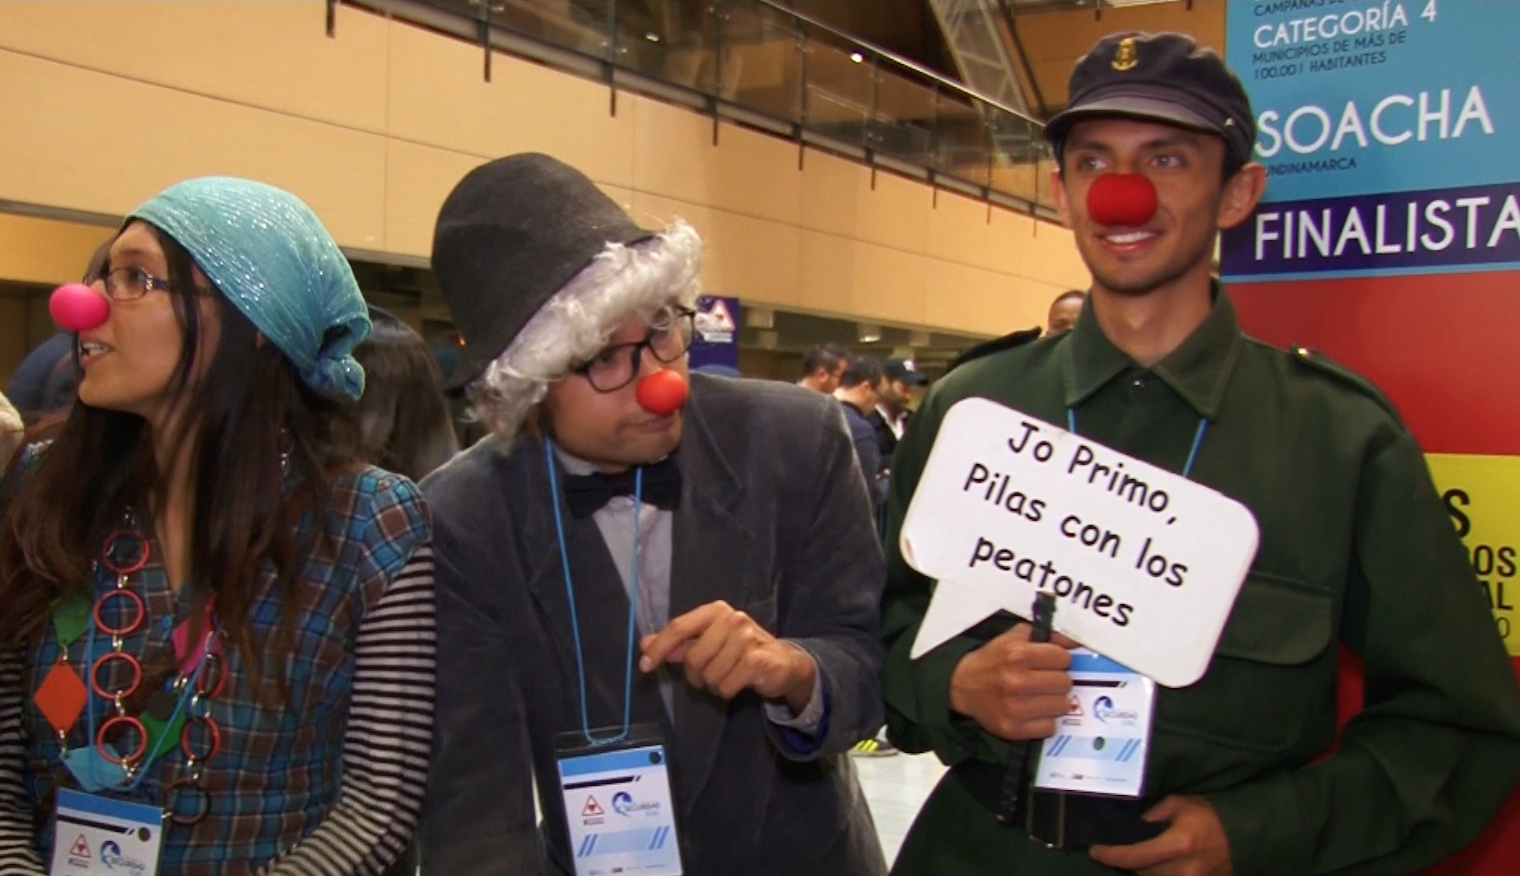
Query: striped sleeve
pixel 388 737
pixel 18 855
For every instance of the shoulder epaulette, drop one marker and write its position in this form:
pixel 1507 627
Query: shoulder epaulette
pixel 996 345
pixel 1319 362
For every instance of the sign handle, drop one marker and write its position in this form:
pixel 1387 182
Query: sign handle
pixel 1044 614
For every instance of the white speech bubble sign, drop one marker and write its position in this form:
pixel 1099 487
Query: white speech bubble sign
pixel 1145 564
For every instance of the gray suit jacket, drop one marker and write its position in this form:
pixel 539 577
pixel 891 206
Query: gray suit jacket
pixel 774 519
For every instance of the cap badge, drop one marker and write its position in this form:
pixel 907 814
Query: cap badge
pixel 1125 57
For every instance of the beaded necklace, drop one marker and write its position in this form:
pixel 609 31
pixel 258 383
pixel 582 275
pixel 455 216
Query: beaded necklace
pixel 122 748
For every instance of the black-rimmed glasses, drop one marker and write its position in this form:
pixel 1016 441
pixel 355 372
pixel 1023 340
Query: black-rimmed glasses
pixel 669 337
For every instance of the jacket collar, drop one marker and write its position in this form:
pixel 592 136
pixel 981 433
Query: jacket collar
pixel 1198 370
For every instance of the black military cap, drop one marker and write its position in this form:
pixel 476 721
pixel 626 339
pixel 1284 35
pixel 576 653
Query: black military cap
pixel 1165 77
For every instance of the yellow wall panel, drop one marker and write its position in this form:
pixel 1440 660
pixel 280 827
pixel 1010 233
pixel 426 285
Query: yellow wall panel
pixel 832 189
pixel 755 174
pixel 270 53
pixel 838 198
pixel 970 299
pixel 417 179
pixel 959 229
pixel 1011 232
pixel 65 158
pixel 748 173
pixel 756 259
pixel 863 279
pixel 890 284
pixel 960 298
pixel 985 302
pixel 895 213
pixel 45 251
pixel 439 97
pixel 828 272
pixel 1048 254
pixel 671 149
pixel 1015 243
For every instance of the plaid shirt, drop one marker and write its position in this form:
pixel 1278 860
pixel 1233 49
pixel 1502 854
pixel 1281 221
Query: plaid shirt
pixel 281 766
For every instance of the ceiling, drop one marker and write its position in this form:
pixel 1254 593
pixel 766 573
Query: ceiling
pixel 1045 37
pixel 1050 36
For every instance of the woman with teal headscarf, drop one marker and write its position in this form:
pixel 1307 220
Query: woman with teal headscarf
pixel 208 607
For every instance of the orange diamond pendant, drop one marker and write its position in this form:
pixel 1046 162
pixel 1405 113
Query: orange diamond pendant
pixel 61 696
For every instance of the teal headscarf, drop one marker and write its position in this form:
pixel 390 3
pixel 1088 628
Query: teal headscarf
pixel 267 252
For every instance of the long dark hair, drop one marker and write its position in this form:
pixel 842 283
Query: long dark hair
pixel 404 421
pixel 252 420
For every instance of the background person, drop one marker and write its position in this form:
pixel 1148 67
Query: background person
pixel 405 425
pixel 822 366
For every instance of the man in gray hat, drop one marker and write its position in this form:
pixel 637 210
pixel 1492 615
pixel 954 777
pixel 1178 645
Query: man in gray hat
pixel 1246 771
pixel 650 615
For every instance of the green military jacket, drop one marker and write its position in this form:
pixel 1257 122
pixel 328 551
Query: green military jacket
pixel 1356 548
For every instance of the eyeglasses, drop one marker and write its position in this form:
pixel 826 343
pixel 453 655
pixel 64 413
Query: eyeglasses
pixel 669 337
pixel 131 283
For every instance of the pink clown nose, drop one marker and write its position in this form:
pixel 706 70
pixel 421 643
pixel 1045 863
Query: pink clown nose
pixel 77 307
pixel 661 393
pixel 1121 199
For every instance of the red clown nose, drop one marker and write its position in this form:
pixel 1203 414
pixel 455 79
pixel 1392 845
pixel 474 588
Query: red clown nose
pixel 1121 199
pixel 661 393
pixel 77 307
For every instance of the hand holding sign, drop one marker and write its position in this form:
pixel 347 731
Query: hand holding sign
pixel 1145 563
pixel 1013 688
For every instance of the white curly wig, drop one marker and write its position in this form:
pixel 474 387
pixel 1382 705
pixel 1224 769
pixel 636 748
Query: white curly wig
pixel 574 325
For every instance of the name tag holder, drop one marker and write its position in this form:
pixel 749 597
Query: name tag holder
pixel 94 835
pixel 618 807
pixel 1091 773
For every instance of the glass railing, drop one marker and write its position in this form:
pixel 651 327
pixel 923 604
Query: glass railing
pixel 762 57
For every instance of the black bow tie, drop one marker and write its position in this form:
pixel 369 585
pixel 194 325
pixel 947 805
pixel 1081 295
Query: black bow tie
pixel 588 493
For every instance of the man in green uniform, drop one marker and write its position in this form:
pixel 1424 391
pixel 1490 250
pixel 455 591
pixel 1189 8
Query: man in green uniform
pixel 1244 774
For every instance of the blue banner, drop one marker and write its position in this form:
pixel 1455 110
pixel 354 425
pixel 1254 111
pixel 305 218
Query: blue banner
pixel 1357 100
pixel 1401 233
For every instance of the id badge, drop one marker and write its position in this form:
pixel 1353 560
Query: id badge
pixel 97 835
pixel 618 805
pixel 1100 745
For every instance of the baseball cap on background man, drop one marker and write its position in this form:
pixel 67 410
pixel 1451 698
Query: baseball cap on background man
pixel 906 371
pixel 1164 77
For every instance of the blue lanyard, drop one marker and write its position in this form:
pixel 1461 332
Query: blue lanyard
pixel 633 600
pixel 1187 468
